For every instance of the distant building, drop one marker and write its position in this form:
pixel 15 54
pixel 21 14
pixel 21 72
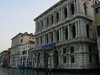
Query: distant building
pixel 20 45
pixel 5 58
pixel 97 21
pixel 24 54
pixel 65 36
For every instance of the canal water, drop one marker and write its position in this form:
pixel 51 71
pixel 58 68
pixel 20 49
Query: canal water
pixel 9 71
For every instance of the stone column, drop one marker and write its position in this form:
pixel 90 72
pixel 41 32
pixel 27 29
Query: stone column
pixel 69 32
pixel 68 13
pixel 78 5
pixel 83 29
pixel 54 36
pixel 79 31
pixel 60 15
pixel 75 6
pixel 61 33
pixel 44 39
pixel 54 17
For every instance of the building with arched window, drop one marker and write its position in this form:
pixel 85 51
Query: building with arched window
pixel 97 21
pixel 67 39
pixel 20 46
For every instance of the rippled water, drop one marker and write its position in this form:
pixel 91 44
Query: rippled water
pixel 9 71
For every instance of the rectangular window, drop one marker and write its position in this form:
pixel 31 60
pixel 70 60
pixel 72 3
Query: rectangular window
pixel 66 33
pixel 98 30
pixel 90 58
pixel 73 31
pixel 37 39
pixel 64 50
pixel 51 34
pixel 24 52
pixel 41 40
pixel 37 26
pixel 64 59
pixel 41 25
pixel 47 40
pixel 90 49
pixel 65 12
pixel 72 49
pixel 72 59
pixel 35 54
pixel 47 21
pixel 97 10
pixel 51 19
pixel 57 35
pixel 57 16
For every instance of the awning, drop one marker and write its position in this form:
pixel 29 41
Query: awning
pixel 49 46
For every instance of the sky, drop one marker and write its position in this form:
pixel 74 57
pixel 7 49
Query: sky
pixel 16 16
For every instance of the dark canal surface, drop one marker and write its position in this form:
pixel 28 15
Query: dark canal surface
pixel 9 71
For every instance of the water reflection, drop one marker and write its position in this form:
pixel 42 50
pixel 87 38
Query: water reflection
pixel 5 71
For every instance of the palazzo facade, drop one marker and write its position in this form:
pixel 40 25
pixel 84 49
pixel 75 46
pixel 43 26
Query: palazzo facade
pixel 21 43
pixel 69 27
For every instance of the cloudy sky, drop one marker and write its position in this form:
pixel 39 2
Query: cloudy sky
pixel 17 16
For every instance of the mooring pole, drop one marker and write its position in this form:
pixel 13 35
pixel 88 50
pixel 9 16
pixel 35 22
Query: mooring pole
pixel 50 64
pixel 46 63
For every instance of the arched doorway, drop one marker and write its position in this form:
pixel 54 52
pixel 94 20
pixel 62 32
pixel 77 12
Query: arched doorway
pixel 56 59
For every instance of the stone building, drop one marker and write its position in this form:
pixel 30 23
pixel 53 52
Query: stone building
pixel 5 58
pixel 97 21
pixel 65 36
pixel 24 54
pixel 19 48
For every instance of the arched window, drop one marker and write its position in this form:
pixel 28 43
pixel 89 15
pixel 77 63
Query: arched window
pixel 65 12
pixel 72 9
pixel 41 25
pixel 73 31
pixel 41 40
pixel 51 19
pixel 57 35
pixel 47 39
pixel 51 34
pixel 66 33
pixel 38 28
pixel 85 8
pixel 57 16
pixel 47 21
pixel 87 30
